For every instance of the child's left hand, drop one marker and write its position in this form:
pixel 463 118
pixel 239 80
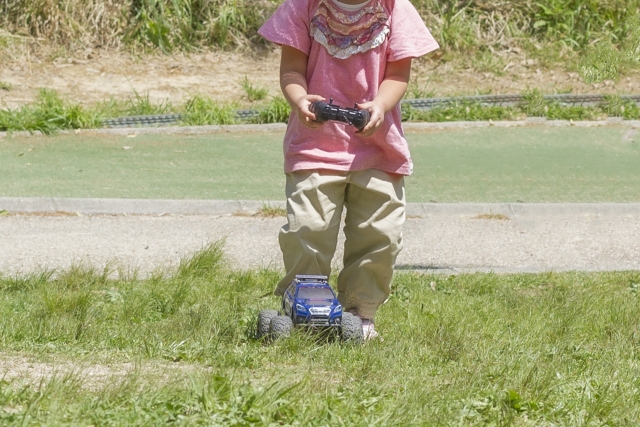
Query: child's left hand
pixel 376 119
pixel 391 91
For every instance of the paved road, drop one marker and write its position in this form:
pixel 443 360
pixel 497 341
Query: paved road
pixel 438 237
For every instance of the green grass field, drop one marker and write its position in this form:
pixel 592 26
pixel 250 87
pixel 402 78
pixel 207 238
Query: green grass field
pixel 178 348
pixel 468 350
pixel 477 165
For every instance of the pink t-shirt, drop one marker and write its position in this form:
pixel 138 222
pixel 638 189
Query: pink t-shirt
pixel 354 79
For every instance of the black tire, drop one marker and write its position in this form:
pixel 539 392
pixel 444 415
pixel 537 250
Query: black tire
pixel 351 329
pixel 280 327
pixel 264 322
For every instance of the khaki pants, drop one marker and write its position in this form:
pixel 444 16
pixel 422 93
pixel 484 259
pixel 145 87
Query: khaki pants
pixel 375 203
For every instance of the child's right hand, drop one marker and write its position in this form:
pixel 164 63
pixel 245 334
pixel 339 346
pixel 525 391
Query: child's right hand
pixel 303 111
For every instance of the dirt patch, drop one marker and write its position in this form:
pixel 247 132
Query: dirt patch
pixel 113 74
pixel 19 369
pixel 492 216
pixel 40 214
pixel 90 77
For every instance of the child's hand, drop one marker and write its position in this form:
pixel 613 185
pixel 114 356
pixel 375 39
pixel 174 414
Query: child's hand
pixel 302 109
pixel 376 119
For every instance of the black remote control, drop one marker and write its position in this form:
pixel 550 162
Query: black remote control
pixel 352 116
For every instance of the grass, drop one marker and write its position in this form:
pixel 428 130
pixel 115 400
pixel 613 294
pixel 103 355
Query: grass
pixel 493 164
pixel 155 24
pixel 276 111
pixel 461 111
pixel 253 93
pixel 141 105
pixel 471 349
pixel 269 211
pixel 493 216
pixel 50 113
pixel 416 91
pixel 485 32
pixel 201 110
pixel 534 105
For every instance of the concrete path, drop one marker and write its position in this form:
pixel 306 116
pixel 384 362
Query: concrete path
pixel 449 238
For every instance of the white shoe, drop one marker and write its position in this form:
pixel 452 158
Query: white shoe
pixel 369 330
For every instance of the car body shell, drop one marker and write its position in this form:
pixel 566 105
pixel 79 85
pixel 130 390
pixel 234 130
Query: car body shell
pixel 309 300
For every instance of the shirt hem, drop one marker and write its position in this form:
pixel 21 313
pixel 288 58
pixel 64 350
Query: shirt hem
pixel 405 170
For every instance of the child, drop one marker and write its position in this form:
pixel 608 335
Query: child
pixel 356 52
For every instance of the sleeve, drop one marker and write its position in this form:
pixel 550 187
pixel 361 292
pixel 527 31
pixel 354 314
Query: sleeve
pixel 410 37
pixel 289 25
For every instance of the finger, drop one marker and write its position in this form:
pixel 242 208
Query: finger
pixel 374 122
pixel 312 124
pixel 366 131
pixel 306 112
pixel 309 116
pixel 371 127
pixel 313 98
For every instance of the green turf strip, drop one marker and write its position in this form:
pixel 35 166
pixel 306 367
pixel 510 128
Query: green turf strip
pixel 540 164
pixel 526 164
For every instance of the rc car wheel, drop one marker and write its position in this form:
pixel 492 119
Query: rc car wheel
pixel 281 327
pixel 351 329
pixel 264 322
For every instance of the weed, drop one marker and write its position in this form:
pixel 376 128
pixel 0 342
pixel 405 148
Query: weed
pixel 269 211
pixel 49 114
pixel 141 105
pixel 204 263
pixel 618 107
pixel 415 91
pixel 230 24
pixel 253 93
pixel 534 104
pixel 277 111
pixel 167 25
pixel 549 29
pixel 27 282
pixel 632 42
pixel 5 86
pixel 202 110
pixel 154 27
pixel 602 63
pixel 488 62
pixel 460 111
pixel 493 216
pixel 454 25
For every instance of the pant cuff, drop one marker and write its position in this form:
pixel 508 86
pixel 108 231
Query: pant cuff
pixel 366 310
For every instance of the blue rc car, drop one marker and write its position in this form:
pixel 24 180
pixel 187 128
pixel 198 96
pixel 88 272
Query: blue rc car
pixel 309 301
